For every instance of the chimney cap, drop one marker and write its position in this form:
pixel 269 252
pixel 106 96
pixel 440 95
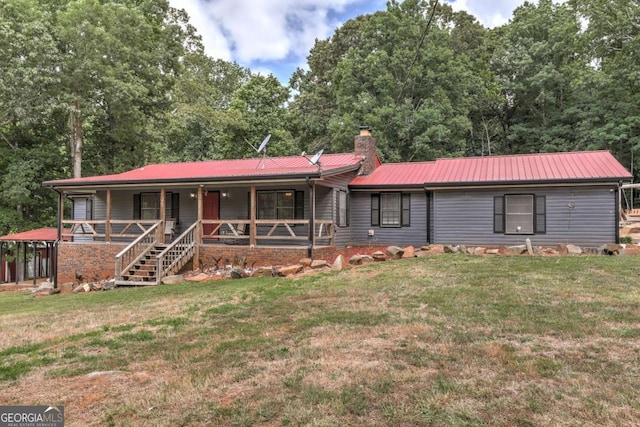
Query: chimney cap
pixel 365 131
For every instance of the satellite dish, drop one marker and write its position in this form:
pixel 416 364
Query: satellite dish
pixel 316 158
pixel 263 145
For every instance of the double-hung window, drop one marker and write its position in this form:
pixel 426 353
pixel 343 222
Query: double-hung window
pixel 392 209
pixel 147 206
pixel 343 209
pixel 519 214
pixel 280 204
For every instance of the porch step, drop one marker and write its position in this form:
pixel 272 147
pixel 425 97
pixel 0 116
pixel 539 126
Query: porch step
pixel 144 271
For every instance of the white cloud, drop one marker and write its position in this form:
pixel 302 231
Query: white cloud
pixel 266 30
pixel 489 13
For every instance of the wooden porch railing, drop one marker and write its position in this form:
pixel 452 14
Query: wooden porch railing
pixel 137 249
pixel 324 231
pixel 177 254
pixel 238 230
pixel 131 228
pixel 226 229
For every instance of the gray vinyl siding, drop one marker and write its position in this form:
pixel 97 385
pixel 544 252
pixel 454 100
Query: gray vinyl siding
pixel 329 188
pixel 415 234
pixel 466 217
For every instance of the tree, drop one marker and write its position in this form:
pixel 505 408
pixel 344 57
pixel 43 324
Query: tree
pixel 612 35
pixel 119 62
pixel 537 62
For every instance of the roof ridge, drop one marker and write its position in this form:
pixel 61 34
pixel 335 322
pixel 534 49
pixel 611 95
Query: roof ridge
pixel 501 156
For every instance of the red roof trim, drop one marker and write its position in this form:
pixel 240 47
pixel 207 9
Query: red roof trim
pixel 48 234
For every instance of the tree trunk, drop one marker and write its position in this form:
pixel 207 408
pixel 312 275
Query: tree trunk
pixel 75 140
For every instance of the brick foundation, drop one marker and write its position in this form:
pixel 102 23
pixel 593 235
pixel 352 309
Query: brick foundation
pixel 92 260
pixel 257 256
pixel 97 260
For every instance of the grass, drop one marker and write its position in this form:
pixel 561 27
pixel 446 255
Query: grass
pixel 446 340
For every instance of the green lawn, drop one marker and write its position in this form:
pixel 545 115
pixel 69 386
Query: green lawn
pixel 449 340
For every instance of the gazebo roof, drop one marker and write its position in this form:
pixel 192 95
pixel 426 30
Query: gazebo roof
pixel 47 234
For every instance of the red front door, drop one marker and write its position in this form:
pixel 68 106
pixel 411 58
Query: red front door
pixel 210 210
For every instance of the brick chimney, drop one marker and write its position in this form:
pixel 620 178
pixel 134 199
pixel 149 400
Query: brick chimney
pixel 365 146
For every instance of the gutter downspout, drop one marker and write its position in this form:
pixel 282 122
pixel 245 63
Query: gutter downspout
pixel 428 200
pixel 617 221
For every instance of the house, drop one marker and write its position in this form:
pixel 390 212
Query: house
pixel 149 222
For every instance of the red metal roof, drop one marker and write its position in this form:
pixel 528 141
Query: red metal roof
pixel 220 170
pixel 587 165
pixel 396 174
pixel 49 234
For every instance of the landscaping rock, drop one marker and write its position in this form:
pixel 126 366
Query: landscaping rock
pixel 66 288
pixel 450 249
pixel 359 259
pixel 319 263
pixel 198 278
pixel 289 269
pixel 395 252
pixel 355 260
pixel 479 250
pixel 172 280
pixel 493 251
pixel 262 272
pixel 44 289
pixel 527 243
pixel 379 256
pixel 574 250
pixel 409 252
pixel 237 273
pixel 338 263
pixel 613 247
pixel 630 250
pixel 306 262
pixel 435 249
pixel 516 250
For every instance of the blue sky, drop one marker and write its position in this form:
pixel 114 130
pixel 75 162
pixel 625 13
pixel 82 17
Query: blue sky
pixel 275 36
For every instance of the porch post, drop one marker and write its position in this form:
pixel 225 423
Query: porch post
pixel 312 219
pixel 163 206
pixel 25 269
pixel 1 263
pixel 35 258
pixel 17 261
pixel 253 232
pixel 198 231
pixel 107 226
pixel 56 244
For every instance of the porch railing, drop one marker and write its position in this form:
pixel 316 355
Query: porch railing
pixel 177 254
pixel 226 229
pixel 96 229
pixel 137 249
pixel 238 230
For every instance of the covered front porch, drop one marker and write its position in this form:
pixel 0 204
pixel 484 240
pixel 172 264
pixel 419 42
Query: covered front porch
pixel 160 229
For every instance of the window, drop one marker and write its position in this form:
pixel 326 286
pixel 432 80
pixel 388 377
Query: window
pixel 343 209
pixel 391 209
pixel 519 214
pixel 147 206
pixel 280 204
